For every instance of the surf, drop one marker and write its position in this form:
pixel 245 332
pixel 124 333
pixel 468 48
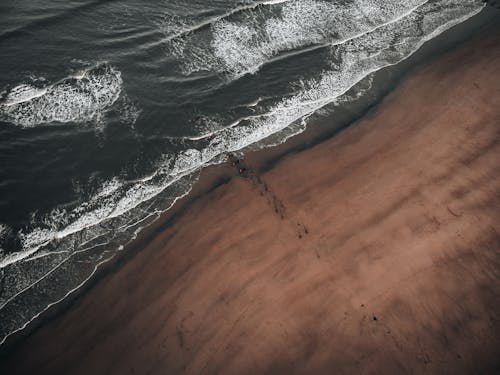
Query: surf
pixel 82 97
pixel 85 236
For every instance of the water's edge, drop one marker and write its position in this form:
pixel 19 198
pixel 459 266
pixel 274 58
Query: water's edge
pixel 262 160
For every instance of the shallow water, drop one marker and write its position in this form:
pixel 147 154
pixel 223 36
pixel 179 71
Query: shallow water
pixel 108 110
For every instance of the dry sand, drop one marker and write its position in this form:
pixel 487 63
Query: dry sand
pixel 377 251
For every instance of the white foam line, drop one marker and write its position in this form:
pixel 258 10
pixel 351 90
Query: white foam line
pixel 28 259
pixel 25 255
pixel 15 257
pixel 54 303
pixel 254 103
pixel 73 254
pixel 41 92
pixel 43 255
pixel 215 132
pixel 47 274
pixel 20 255
pixel 215 19
pixel 315 47
pixel 88 278
pixel 144 179
pixel 271 2
pixel 229 126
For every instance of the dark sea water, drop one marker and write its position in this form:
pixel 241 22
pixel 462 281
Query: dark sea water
pixel 109 109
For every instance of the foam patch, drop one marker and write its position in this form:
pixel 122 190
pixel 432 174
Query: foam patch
pixel 81 98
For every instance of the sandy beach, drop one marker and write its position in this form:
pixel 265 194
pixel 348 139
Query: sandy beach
pixel 376 251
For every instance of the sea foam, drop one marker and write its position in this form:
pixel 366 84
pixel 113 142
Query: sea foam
pixel 243 46
pixel 80 98
pixel 67 245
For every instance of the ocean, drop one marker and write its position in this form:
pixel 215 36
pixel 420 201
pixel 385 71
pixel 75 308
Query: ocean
pixel 109 110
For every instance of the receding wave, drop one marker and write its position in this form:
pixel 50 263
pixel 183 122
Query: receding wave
pixel 79 98
pixel 65 247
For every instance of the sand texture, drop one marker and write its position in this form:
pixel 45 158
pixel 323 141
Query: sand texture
pixel 375 252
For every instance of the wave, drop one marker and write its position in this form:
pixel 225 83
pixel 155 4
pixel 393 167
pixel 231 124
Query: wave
pixel 80 98
pixel 67 246
pixel 175 27
pixel 243 46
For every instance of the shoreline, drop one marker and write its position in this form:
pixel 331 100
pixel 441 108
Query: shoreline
pixel 262 160
pixel 374 251
pixel 212 179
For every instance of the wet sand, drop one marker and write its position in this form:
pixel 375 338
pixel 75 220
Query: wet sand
pixel 377 251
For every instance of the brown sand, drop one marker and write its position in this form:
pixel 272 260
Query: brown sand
pixel 386 260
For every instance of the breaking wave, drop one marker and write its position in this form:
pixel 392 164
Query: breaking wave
pixel 242 46
pixel 80 98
